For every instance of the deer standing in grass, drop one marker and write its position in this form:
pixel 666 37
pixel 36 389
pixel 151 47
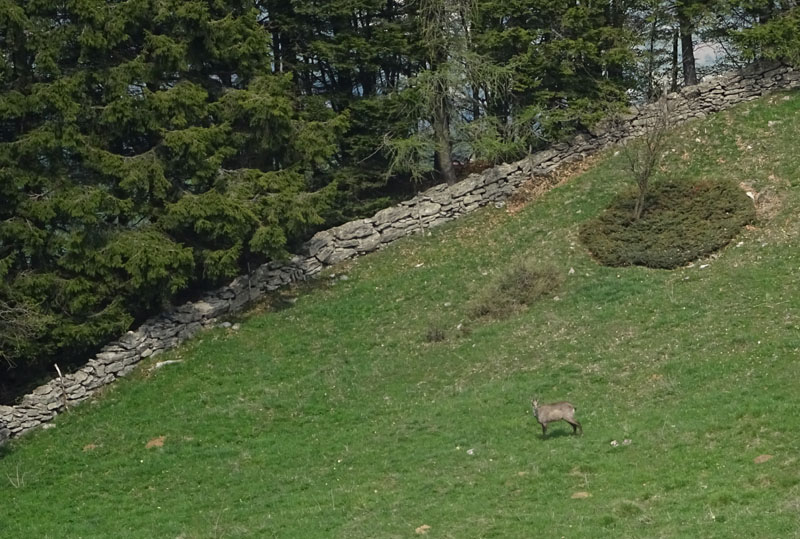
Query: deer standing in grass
pixel 557 411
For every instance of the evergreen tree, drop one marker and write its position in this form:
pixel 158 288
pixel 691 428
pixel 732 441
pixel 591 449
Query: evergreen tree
pixel 354 54
pixel 760 29
pixel 570 61
pixel 144 147
pixel 446 100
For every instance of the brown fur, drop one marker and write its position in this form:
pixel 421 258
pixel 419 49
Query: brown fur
pixel 557 411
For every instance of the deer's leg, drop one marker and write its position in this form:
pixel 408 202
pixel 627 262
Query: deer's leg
pixel 544 429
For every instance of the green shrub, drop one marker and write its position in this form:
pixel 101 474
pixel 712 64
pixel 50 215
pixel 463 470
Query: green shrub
pixel 516 288
pixel 682 222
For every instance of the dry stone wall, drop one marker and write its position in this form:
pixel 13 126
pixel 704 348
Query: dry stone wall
pixel 428 209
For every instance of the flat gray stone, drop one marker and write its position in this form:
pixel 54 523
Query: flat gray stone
pixel 6 411
pixel 115 367
pixel 471 199
pixel 391 215
pixel 112 357
pixel 543 156
pixel 354 229
pixel 392 234
pixel 318 241
pixel 369 244
pixel 76 392
pixel 325 254
pixel 55 405
pixel 426 209
pixel 467 185
pixel 494 174
pixel 46 389
pixel 340 255
pixel 211 307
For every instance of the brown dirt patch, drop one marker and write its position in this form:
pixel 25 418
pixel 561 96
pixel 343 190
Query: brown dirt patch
pixel 540 184
pixel 156 442
pixel 767 202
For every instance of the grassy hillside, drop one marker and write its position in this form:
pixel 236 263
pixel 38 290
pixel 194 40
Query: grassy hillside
pixel 334 416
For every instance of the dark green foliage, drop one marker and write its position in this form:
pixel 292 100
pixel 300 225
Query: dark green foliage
pixel 353 53
pixel 145 147
pixel 682 222
pixel 570 61
pixel 776 39
pixel 515 289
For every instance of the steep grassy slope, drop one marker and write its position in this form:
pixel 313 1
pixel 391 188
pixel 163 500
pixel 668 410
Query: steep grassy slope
pixel 333 417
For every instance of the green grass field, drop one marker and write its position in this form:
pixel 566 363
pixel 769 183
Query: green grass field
pixel 334 416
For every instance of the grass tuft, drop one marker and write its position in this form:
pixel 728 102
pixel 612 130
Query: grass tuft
pixel 516 288
pixel 435 333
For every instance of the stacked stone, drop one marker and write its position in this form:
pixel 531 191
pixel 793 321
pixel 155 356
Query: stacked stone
pixel 720 93
pixel 156 335
pixel 433 207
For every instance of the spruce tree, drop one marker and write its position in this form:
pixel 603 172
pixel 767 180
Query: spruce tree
pixel 570 61
pixel 769 30
pixel 145 147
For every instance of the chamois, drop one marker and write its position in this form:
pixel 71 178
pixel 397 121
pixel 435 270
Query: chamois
pixel 557 411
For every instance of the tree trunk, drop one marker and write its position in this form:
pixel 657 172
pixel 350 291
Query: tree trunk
pixel 443 159
pixel 639 208
pixel 476 103
pixel 615 14
pixel 651 60
pixel 674 84
pixel 687 49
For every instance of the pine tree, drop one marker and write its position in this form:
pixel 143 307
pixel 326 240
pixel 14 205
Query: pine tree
pixel 353 54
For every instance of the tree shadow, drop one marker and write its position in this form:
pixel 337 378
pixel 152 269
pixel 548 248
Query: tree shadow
pixel 281 302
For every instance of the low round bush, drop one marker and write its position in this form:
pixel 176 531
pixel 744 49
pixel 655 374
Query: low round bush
pixel 682 221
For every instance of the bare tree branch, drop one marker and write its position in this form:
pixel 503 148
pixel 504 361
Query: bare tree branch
pixel 644 154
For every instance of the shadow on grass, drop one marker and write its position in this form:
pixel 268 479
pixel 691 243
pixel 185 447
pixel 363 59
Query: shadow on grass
pixel 558 434
pixel 281 302
pixel 5 450
pixel 272 302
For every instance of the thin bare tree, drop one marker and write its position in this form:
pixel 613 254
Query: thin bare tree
pixel 644 154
